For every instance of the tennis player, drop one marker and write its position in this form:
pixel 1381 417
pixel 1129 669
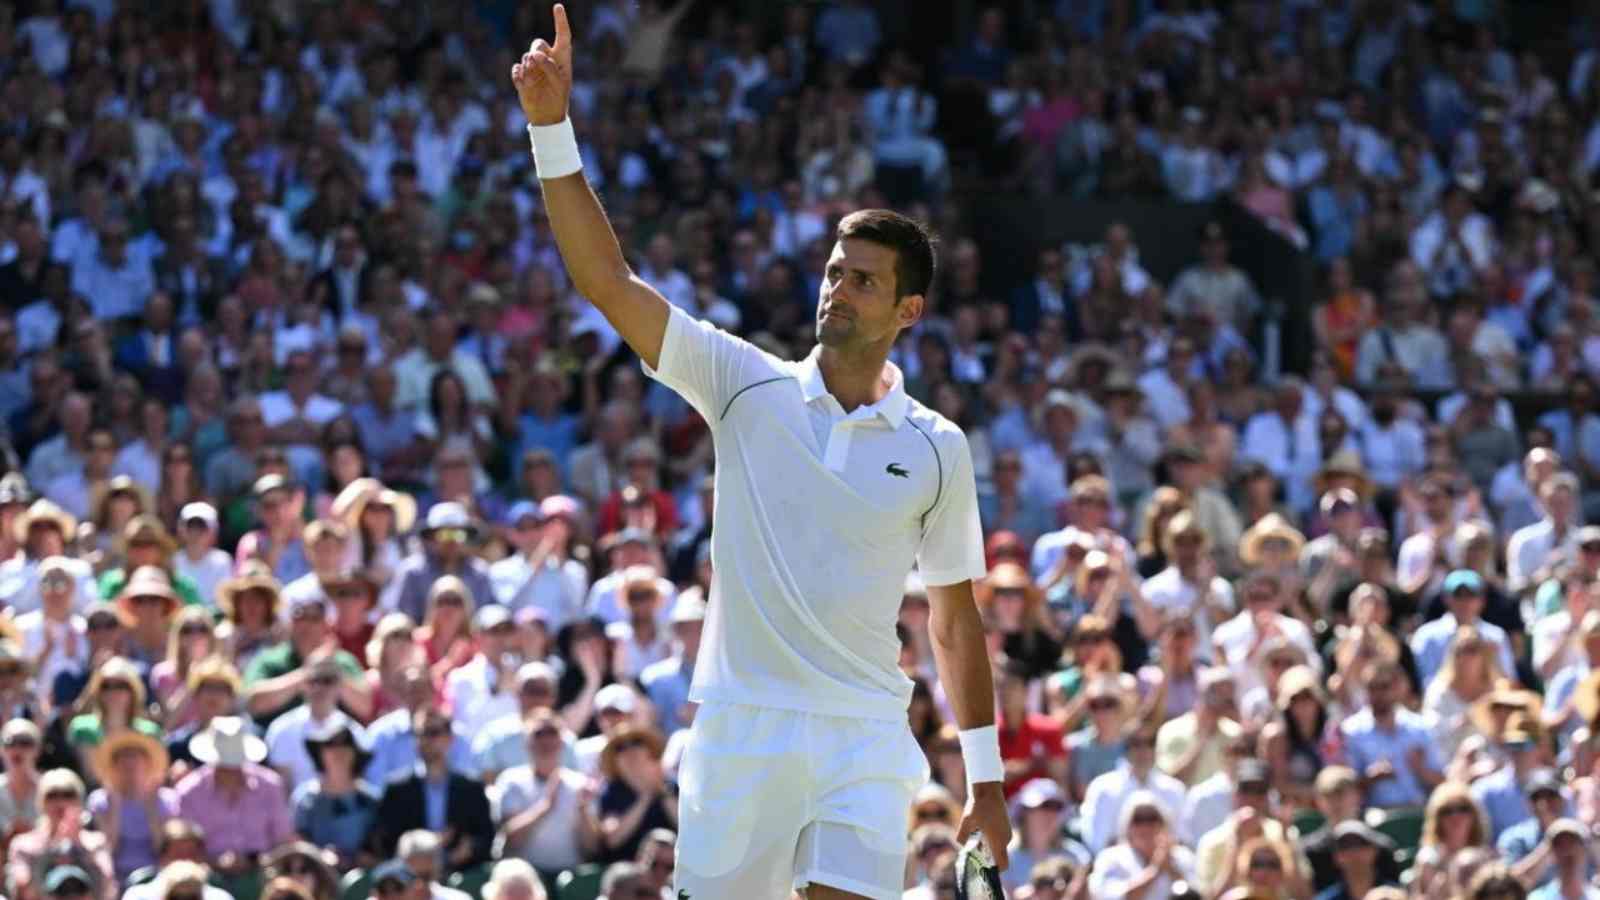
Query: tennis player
pixel 830 482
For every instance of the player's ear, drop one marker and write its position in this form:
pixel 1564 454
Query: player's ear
pixel 910 309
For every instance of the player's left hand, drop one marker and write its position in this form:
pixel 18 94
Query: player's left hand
pixel 986 812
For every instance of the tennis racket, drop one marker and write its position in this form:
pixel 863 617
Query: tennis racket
pixel 977 878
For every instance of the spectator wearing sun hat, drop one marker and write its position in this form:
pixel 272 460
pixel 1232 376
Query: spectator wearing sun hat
pixel 541 571
pixel 448 534
pixel 145 541
pixel 146 603
pixel 240 803
pixel 131 802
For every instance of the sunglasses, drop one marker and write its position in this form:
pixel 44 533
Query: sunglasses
pixel 296 867
pixel 450 600
pixel 547 733
pixel 21 743
pixel 325 680
pixel 62 795
pixel 1104 704
pixel 197 628
pixel 935 813
pixel 103 624
pixel 55 583
pixel 1146 819
pixel 1455 809
pixel 148 600
pixel 451 535
pixel 1266 864
pixel 433 731
pixel 625 746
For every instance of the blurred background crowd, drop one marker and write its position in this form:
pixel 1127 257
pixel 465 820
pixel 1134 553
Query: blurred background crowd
pixel 345 552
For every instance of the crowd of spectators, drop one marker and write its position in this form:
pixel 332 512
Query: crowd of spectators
pixel 345 552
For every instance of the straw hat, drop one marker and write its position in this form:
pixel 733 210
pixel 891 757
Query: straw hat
pixel 145 528
pixel 253 574
pixel 227 743
pixel 104 759
pixel 120 484
pixel 1344 464
pixel 1007 576
pixel 1266 528
pixel 147 581
pixel 1506 693
pixel 353 501
pixel 1587 698
pixel 628 733
pixel 43 511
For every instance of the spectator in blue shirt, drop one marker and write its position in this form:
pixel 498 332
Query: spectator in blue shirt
pixel 1389 746
pixel 1501 793
pixel 1464 596
pixel 1520 845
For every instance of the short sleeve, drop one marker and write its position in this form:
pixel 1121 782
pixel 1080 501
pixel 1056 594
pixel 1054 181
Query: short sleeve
pixel 952 535
pixel 702 363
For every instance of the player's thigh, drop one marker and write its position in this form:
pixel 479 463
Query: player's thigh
pixel 744 795
pixel 856 843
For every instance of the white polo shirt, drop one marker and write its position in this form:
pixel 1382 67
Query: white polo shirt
pixel 819 516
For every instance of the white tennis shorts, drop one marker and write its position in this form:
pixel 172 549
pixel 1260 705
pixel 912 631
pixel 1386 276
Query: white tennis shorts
pixel 771 800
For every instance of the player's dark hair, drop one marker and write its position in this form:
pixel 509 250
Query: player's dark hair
pixel 910 240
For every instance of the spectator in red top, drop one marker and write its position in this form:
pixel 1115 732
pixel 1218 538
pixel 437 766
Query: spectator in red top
pixel 1031 744
pixel 646 505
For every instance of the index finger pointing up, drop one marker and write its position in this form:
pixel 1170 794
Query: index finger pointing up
pixel 563 30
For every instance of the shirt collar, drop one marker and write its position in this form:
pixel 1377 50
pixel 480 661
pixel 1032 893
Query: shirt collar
pixel 892 407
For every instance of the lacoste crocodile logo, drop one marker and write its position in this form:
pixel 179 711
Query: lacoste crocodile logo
pixel 897 470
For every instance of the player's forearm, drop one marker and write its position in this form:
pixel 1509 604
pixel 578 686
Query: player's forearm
pixel 956 632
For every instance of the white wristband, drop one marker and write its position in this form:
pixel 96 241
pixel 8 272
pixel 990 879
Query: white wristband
pixel 555 149
pixel 980 750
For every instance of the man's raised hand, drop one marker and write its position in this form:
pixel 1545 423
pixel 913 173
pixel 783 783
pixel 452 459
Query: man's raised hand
pixel 543 77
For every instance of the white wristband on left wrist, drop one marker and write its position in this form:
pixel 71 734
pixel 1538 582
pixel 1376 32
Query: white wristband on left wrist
pixel 980 751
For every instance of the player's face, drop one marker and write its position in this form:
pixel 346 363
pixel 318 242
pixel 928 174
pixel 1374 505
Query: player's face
pixel 858 304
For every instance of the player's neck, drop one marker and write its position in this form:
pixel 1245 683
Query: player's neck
pixel 854 377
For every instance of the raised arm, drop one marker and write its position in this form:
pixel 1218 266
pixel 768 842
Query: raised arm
pixel 588 246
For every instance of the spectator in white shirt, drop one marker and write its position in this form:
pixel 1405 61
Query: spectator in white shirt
pixel 1215 289
pixel 1244 641
pixel 1454 244
pixel 1147 855
pixel 295 415
pixel 901 118
pixel 415 370
pixel 286 736
pixel 1108 795
pixel 1534 551
pixel 1190 586
pixel 1392 445
pixel 1166 388
pixel 540 573
pixel 485 687
pixel 660 272
pixel 199 557
pixel 640 640
pixel 543 807
pixel 1285 440
pixel 53 636
pixel 1514 492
